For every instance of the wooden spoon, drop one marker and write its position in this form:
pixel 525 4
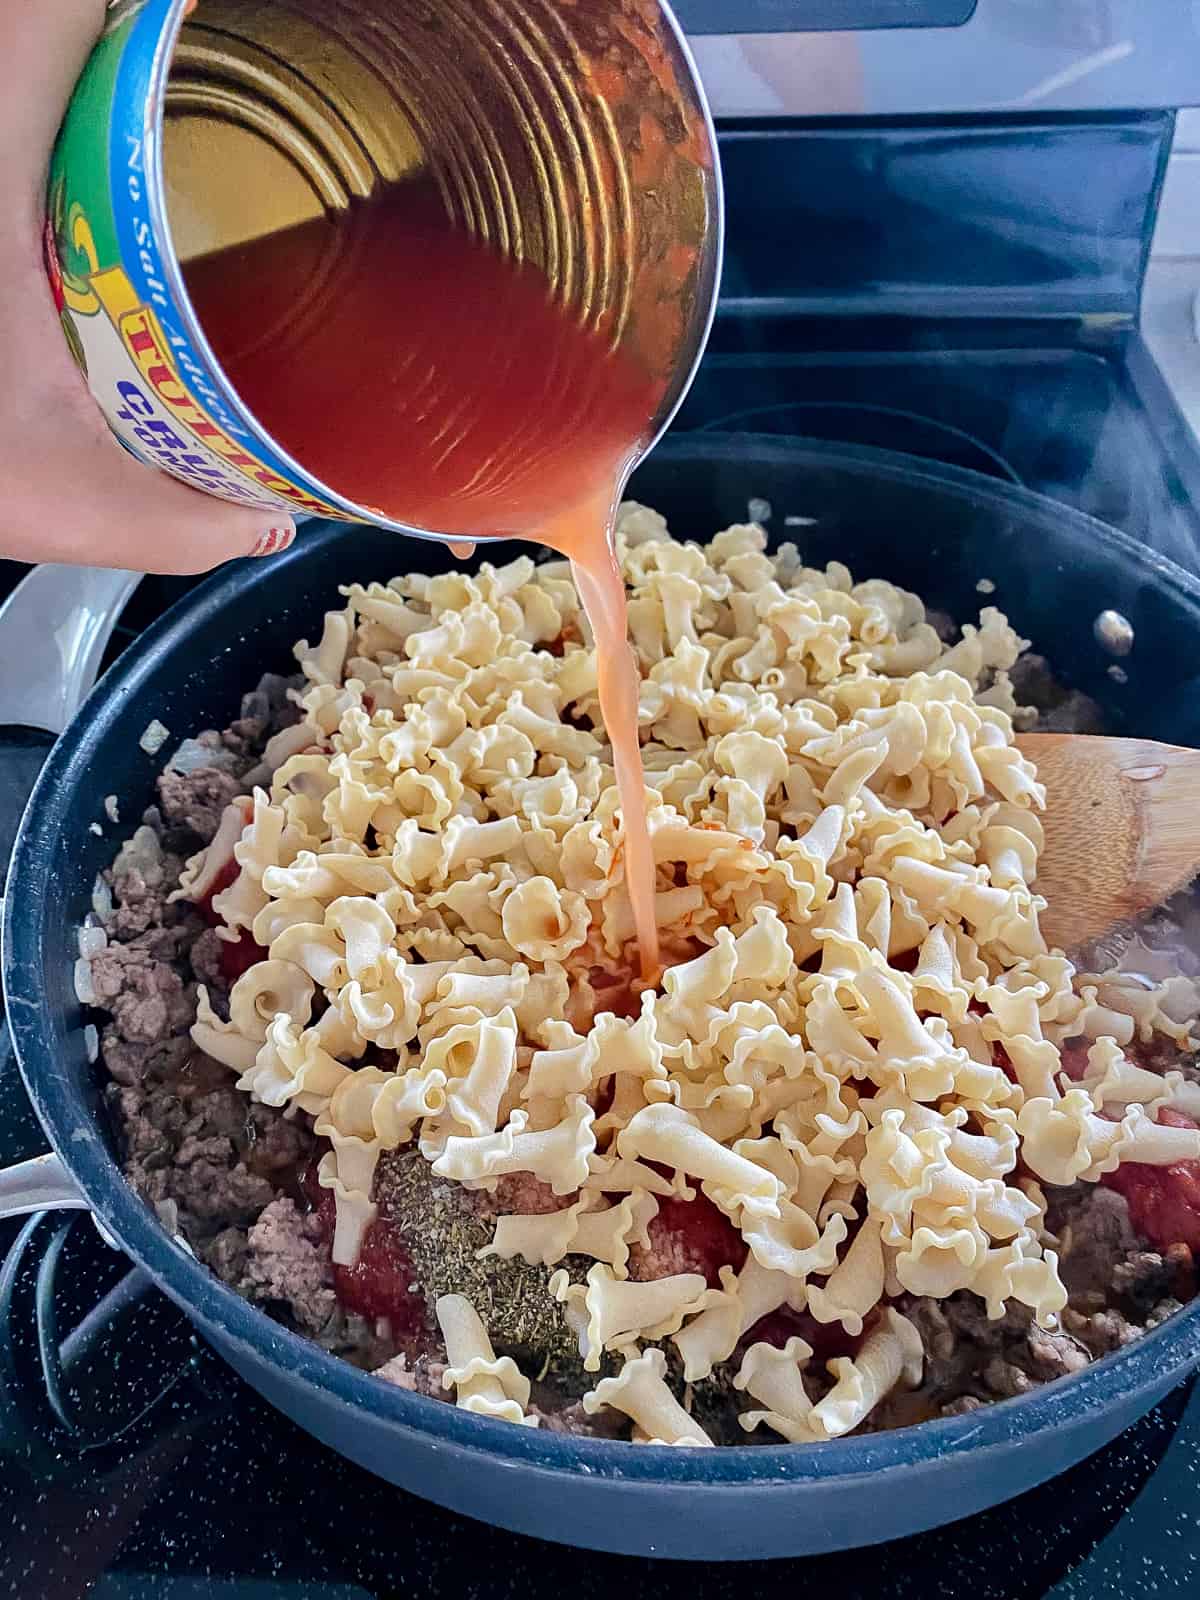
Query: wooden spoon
pixel 1122 823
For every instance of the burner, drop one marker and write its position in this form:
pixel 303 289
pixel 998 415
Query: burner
pixel 884 427
pixel 952 359
pixel 211 1499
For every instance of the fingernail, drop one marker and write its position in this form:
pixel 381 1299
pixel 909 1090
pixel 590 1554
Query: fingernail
pixel 273 541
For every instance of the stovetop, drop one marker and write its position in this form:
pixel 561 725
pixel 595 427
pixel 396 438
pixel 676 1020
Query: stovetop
pixel 253 1509
pixel 245 1504
pixel 966 293
pixel 1091 427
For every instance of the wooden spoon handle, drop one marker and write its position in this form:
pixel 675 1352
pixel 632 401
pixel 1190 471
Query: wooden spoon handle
pixel 1122 825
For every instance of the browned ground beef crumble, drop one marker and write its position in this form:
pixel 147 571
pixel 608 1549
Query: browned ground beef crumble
pixel 228 1174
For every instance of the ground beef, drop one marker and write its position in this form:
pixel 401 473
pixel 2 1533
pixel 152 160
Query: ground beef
pixel 422 1376
pixel 1143 1279
pixel 285 1260
pixel 140 984
pixel 573 1419
pixel 276 1146
pixel 141 877
pixel 971 1358
pixel 1060 710
pixel 205 958
pixel 129 1063
pixel 195 800
pixel 1118 1290
pixel 1093 1227
pixel 963 1406
pixel 194 1146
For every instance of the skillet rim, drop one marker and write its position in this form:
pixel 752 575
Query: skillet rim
pixel 1160 1357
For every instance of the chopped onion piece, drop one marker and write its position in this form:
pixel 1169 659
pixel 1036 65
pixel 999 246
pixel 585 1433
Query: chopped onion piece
pixel 154 737
pixel 85 989
pixel 102 900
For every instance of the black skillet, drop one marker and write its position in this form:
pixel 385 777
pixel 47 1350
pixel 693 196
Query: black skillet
pixel 937 531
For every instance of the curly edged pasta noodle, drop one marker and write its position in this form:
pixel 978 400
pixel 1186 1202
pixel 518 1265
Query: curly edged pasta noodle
pixel 855 1051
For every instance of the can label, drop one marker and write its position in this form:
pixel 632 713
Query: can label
pixel 125 324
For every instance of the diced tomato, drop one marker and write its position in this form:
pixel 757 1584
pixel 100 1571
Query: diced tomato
pixel 615 992
pixel 1164 1202
pixel 694 1236
pixel 569 634
pixel 238 957
pixel 219 884
pixel 619 988
pixel 379 1283
pixel 1001 1059
pixel 1074 1054
pixel 828 1339
pixel 314 1194
pixel 1169 1117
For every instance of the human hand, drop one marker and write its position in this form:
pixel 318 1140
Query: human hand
pixel 71 493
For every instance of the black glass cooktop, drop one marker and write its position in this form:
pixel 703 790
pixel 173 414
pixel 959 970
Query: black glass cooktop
pixel 231 1499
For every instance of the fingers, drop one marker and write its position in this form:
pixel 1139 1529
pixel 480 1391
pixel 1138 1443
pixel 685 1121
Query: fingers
pixel 166 527
pixel 76 496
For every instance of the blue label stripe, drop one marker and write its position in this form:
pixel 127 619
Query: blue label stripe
pixel 140 255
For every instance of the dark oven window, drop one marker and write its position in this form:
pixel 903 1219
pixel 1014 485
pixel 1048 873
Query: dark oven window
pixel 791 16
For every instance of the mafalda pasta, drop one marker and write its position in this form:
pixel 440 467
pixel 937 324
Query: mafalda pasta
pixel 855 1052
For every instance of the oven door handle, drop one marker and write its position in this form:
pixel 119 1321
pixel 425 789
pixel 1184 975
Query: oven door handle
pixel 42 1184
pixel 56 624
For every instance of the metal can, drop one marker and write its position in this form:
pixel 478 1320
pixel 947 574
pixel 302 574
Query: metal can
pixel 569 134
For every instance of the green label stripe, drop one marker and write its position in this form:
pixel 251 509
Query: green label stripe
pixel 79 169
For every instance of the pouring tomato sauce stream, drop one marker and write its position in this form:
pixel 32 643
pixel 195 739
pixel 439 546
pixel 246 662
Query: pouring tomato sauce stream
pixel 421 373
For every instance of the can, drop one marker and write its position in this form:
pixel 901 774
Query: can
pixel 569 134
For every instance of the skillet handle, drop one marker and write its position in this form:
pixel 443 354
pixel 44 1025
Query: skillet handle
pixel 56 623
